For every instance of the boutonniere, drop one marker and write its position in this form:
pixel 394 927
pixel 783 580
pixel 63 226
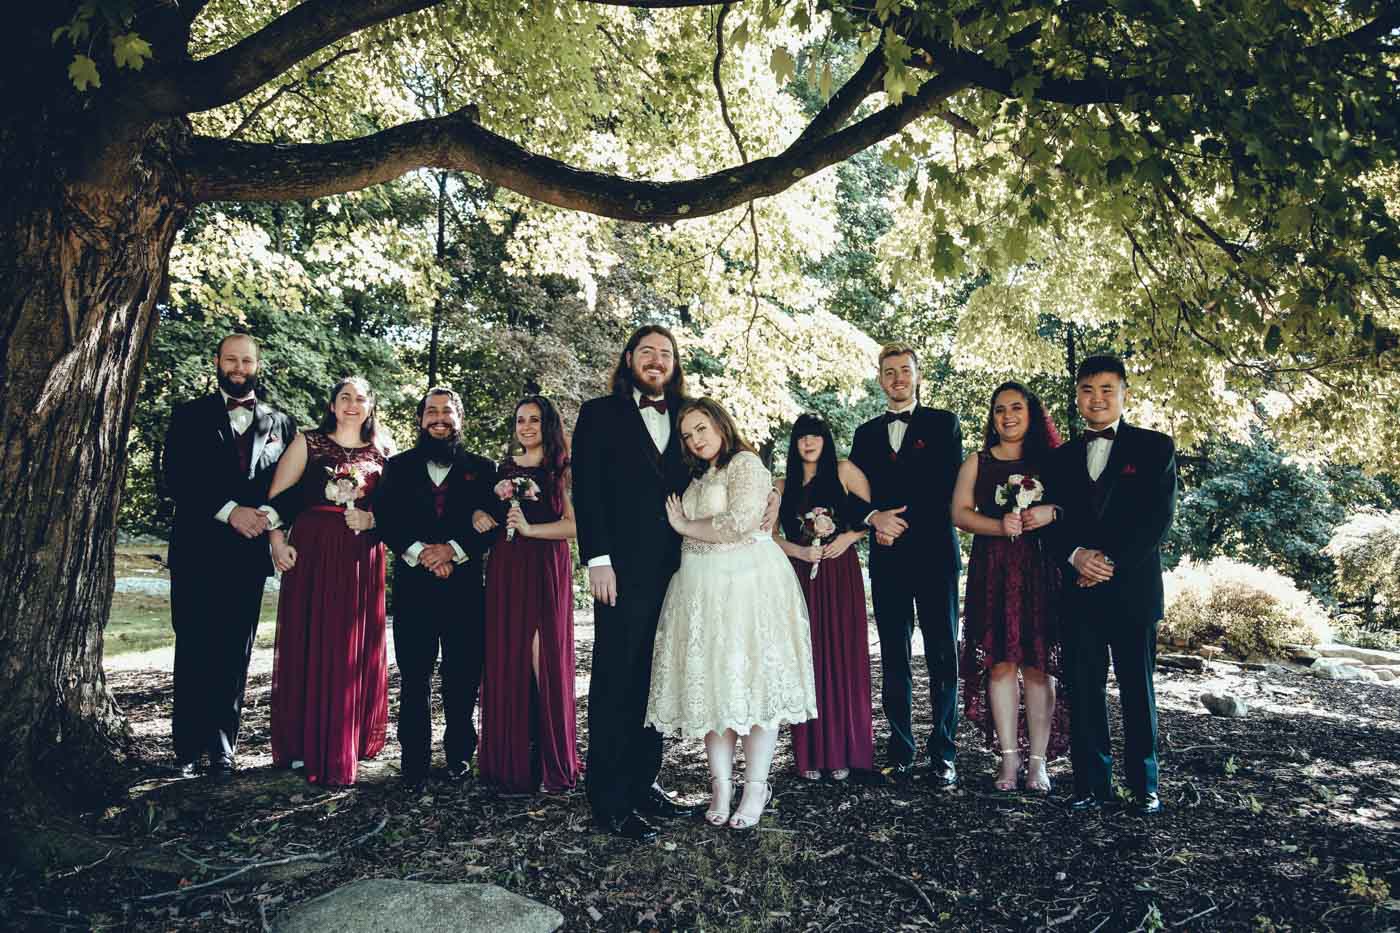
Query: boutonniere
pixel 919 443
pixel 273 439
pixel 894 456
pixel 468 476
pixel 1129 470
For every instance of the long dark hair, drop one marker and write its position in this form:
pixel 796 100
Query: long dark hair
pixel 732 440
pixel 369 431
pixel 556 444
pixel 825 487
pixel 622 382
pixel 1041 435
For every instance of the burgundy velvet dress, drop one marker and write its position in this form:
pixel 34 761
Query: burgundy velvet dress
pixel 841 736
pixel 330 692
pixel 1010 610
pixel 529 592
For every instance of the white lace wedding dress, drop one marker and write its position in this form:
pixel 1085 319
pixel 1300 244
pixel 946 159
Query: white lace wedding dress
pixel 733 646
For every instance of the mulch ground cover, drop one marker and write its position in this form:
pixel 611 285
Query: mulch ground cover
pixel 1288 819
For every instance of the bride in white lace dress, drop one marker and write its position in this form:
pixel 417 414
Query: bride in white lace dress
pixel 733 651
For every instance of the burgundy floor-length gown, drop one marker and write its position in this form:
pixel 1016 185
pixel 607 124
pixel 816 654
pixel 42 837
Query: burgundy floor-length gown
pixel 1010 610
pixel 529 591
pixel 330 692
pixel 841 736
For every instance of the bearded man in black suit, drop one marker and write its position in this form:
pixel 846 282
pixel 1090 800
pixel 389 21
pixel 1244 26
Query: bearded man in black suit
pixel 220 454
pixel 1116 484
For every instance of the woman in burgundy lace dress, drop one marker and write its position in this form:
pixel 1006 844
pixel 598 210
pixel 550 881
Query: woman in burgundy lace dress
pixel 528 715
pixel 330 695
pixel 1011 643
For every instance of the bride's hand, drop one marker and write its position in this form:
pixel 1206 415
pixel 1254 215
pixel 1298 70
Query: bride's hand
pixel 675 514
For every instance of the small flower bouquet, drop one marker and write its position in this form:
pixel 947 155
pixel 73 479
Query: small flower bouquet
pixel 817 525
pixel 345 486
pixel 514 489
pixel 1020 493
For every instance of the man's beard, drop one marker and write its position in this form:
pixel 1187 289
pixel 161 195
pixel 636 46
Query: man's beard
pixel 640 379
pixel 233 389
pixel 440 449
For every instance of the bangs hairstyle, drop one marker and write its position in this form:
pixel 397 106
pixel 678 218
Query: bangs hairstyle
pixel 552 437
pixel 897 349
pixel 369 431
pixel 1041 434
pixel 622 382
pixel 442 390
pixel 1101 363
pixel 826 484
pixel 731 441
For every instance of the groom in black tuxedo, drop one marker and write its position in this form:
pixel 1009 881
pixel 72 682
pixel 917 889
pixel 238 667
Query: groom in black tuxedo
pixel 626 461
pixel 220 453
pixel 911 455
pixel 426 500
pixel 1116 485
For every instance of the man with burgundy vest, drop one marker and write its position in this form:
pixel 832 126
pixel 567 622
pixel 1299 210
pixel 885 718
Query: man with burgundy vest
pixel 1116 487
pixel 220 453
pixel 426 499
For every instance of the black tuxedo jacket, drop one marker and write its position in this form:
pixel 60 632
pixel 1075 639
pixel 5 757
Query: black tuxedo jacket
pixel 920 475
pixel 404 513
pixel 620 487
pixel 1129 521
pixel 203 472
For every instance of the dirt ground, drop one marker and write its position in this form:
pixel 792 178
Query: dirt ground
pixel 1286 820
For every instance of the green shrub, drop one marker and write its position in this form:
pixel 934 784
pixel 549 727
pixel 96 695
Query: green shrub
pixel 1249 611
pixel 1366 551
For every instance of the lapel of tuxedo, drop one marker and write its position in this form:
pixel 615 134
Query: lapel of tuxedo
pixel 1117 455
pixel 218 416
pixel 262 427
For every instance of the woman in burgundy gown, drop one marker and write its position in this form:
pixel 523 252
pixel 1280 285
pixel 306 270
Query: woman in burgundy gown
pixel 1011 643
pixel 330 695
pixel 528 718
pixel 841 736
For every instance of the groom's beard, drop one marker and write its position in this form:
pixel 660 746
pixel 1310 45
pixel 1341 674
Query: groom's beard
pixel 440 449
pixel 237 389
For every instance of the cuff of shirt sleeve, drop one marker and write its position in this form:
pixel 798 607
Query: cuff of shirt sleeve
pixel 410 554
pixel 867 518
pixel 223 514
pixel 1071 556
pixel 273 519
pixel 602 560
pixel 461 555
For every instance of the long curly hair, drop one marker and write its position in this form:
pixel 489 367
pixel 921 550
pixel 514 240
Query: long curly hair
pixel 553 439
pixel 622 380
pixel 1041 434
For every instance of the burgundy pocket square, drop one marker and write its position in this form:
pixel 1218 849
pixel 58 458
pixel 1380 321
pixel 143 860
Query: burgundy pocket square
pixel 919 444
pixel 469 476
pixel 1129 470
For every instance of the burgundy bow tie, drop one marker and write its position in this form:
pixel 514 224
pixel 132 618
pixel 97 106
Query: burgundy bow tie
pixel 658 403
pixel 248 403
pixel 904 416
pixel 1106 434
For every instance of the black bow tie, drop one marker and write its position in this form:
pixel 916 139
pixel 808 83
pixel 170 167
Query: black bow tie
pixel 893 416
pixel 248 403
pixel 1107 434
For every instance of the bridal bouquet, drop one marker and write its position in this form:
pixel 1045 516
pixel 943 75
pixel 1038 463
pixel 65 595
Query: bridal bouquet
pixel 514 489
pixel 817 525
pixel 345 486
pixel 1020 492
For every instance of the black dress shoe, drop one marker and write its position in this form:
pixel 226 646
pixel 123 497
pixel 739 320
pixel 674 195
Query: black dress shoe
pixel 899 773
pixel 942 775
pixel 1085 803
pixel 412 785
pixel 627 826
pixel 457 771
pixel 221 769
pixel 657 803
pixel 1146 805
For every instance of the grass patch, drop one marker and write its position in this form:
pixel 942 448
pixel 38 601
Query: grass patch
pixel 142 623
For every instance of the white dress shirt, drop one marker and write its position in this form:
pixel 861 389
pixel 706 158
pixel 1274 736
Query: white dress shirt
pixel 240 419
pixel 897 429
pixel 1095 459
pixel 658 425
pixel 437 472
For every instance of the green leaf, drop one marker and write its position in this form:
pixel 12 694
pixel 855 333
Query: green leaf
pixel 740 36
pixel 83 73
pixel 783 64
pixel 824 83
pixel 131 51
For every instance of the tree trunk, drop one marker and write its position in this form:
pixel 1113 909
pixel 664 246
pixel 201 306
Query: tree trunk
pixel 83 253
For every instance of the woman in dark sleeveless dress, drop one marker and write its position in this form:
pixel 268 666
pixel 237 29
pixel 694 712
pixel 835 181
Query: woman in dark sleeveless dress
pixel 528 719
pixel 1011 642
pixel 330 695
pixel 841 737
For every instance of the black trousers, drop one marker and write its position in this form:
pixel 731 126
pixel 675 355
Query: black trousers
pixel 897 589
pixel 624 755
pixel 433 617
pixel 1092 635
pixel 215 619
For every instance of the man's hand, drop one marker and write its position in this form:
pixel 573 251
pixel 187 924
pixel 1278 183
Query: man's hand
pixel 482 522
pixel 443 571
pixel 248 522
pixel 770 511
pixel 888 523
pixel 1093 564
pixel 1085 583
pixel 883 539
pixel 603 582
pixel 434 556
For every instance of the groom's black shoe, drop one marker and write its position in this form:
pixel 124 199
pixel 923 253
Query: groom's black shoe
pixel 627 826
pixel 941 775
pixel 457 772
pixel 657 803
pixel 900 773
pixel 1145 805
pixel 221 768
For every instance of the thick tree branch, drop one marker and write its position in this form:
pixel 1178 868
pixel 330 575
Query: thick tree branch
pixel 243 68
pixel 845 101
pixel 222 169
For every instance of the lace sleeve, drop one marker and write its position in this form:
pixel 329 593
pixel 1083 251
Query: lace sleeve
pixel 747 485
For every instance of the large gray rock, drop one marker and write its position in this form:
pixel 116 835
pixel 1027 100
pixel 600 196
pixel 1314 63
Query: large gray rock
pixel 1364 655
pixel 385 905
pixel 1184 662
pixel 1335 669
pixel 1225 704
